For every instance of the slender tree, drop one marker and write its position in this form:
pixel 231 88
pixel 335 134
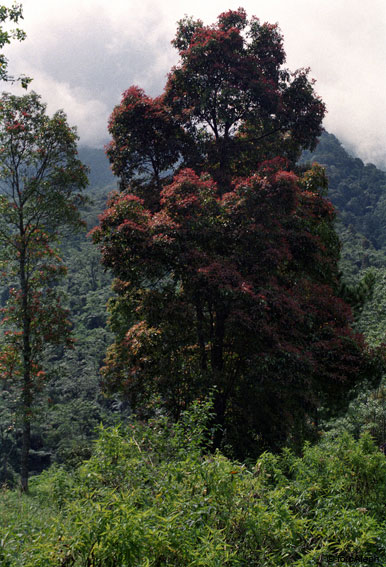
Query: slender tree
pixel 40 183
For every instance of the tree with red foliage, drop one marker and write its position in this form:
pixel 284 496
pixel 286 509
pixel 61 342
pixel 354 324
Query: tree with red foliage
pixel 229 280
pixel 146 142
pixel 226 107
pixel 40 180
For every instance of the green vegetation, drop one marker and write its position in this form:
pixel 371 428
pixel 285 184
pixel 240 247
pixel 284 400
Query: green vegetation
pixel 363 255
pixel 11 15
pixel 230 331
pixel 150 497
pixel 40 183
pixel 357 190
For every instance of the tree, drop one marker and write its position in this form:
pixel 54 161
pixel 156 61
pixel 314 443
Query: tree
pixel 236 292
pixel 13 14
pixel 231 280
pixel 227 106
pixel 40 180
pixel 146 142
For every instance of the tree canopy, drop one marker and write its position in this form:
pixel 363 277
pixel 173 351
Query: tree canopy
pixel 227 273
pixel 228 105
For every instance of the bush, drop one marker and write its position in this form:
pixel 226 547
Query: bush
pixel 150 497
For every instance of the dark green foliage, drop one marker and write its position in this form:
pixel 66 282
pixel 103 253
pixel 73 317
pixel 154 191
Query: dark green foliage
pixel 357 253
pixel 75 405
pixel 359 293
pixel 357 190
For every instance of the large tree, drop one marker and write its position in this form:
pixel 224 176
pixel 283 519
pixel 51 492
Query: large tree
pixel 40 183
pixel 227 276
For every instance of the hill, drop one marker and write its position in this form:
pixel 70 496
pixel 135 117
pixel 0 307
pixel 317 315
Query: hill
pixel 100 173
pixel 356 189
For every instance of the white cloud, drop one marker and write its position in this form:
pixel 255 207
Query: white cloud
pixel 85 53
pixel 89 115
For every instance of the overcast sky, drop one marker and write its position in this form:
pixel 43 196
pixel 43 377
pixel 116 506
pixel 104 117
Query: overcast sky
pixel 83 54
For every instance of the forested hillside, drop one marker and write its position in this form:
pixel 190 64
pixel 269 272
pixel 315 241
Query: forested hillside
pixel 192 355
pixel 356 189
pixel 76 406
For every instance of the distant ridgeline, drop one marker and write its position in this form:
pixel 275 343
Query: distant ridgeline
pixel 100 173
pixel 357 190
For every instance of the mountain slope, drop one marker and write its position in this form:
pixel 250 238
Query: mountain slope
pixel 357 190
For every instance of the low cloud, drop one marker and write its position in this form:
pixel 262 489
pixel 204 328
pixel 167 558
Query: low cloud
pixel 83 54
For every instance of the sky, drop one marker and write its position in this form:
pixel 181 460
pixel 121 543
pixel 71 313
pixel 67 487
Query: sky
pixel 83 54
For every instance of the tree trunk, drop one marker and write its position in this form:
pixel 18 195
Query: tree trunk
pixel 217 351
pixel 27 384
pixel 200 334
pixel 217 362
pixel 25 449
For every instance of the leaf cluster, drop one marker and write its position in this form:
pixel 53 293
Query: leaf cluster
pixel 11 15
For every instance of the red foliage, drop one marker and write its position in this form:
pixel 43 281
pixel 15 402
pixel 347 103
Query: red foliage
pixel 246 294
pixel 227 106
pixel 231 266
pixel 233 19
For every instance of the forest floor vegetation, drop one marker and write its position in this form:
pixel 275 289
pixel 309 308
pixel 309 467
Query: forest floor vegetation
pixel 150 496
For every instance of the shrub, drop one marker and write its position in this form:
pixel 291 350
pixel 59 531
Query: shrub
pixel 149 496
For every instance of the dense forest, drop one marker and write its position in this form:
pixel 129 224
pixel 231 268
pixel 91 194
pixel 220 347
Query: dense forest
pixel 192 346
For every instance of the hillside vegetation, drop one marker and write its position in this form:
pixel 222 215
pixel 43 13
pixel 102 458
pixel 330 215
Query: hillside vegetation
pixel 195 376
pixel 149 497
